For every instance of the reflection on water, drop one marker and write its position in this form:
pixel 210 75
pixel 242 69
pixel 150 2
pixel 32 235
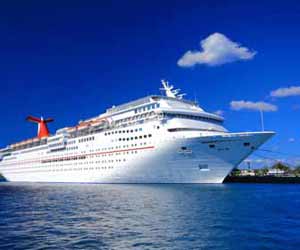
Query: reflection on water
pixel 81 216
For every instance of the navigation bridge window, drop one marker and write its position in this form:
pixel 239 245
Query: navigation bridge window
pixel 147 107
pixel 193 117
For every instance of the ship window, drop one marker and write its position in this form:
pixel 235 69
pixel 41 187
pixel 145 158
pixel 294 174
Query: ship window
pixel 212 145
pixel 141 137
pixel 149 135
pixel 246 144
pixel 145 136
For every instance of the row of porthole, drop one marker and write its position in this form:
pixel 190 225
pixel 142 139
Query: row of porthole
pixel 118 153
pixel 71 158
pixel 135 138
pixel 82 163
pixel 72 148
pixel 118 147
pixel 91 138
pixel 60 170
pixel 123 131
pixel 67 158
pixel 110 161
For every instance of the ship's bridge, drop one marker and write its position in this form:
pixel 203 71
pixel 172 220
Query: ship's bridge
pixel 161 101
pixel 172 106
pixel 172 101
pixel 161 104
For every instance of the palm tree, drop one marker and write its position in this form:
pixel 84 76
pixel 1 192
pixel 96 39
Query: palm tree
pixel 281 166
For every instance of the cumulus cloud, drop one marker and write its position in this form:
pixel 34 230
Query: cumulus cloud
pixel 219 112
pixel 285 92
pixel 217 49
pixel 264 106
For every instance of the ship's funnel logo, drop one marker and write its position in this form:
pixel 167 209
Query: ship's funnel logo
pixel 42 125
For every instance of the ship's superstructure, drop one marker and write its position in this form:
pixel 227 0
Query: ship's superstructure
pixel 155 139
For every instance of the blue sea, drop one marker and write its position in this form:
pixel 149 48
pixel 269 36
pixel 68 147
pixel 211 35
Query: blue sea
pixel 88 216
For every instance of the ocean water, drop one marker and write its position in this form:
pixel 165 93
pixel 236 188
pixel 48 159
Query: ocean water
pixel 88 216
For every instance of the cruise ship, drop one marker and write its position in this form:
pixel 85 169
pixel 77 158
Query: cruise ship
pixel 156 139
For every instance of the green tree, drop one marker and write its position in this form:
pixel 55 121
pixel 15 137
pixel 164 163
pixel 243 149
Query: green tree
pixel 261 171
pixel 296 171
pixel 235 172
pixel 264 170
pixel 281 166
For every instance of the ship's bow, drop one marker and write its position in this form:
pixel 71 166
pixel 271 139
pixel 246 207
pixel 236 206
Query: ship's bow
pixel 230 149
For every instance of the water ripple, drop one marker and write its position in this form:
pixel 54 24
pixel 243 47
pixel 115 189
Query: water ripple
pixel 60 216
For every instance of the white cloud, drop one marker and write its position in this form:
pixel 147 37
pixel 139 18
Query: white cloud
pixel 285 92
pixel 291 139
pixel 264 106
pixel 217 49
pixel 219 112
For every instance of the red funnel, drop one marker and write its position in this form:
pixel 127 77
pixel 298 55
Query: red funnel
pixel 42 125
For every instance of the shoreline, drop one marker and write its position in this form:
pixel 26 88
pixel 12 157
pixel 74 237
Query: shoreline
pixel 262 179
pixel 248 179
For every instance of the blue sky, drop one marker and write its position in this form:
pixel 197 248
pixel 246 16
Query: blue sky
pixel 70 61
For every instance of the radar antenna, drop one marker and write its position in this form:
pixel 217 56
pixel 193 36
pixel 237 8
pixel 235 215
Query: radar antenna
pixel 170 91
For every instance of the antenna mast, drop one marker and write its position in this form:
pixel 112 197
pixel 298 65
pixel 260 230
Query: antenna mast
pixel 262 120
pixel 170 91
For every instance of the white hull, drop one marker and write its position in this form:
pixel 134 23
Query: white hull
pixel 157 162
